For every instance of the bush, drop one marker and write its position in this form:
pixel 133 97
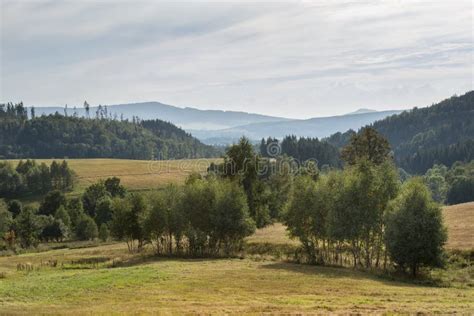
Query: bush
pixel 27 227
pixel 14 207
pixel 104 233
pixel 86 228
pixel 51 202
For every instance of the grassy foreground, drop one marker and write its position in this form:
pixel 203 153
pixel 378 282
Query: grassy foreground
pixel 106 279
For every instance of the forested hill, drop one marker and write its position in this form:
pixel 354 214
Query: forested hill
pixel 75 137
pixel 442 133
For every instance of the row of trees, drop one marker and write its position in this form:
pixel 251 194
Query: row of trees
pixel 58 218
pixel 30 177
pixel 441 133
pixel 71 136
pixel 363 216
pixel 204 217
pixel 451 185
pixel 302 149
pixel 266 182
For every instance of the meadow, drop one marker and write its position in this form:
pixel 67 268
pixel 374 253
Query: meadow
pixel 107 278
pixel 94 277
pixel 136 175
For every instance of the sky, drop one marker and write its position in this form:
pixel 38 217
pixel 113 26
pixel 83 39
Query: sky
pixel 295 59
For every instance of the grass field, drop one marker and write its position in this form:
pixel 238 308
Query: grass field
pixel 106 278
pixel 149 284
pixel 134 174
pixel 460 221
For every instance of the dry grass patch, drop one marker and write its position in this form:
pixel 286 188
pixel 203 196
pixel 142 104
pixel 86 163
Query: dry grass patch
pixel 460 222
pixel 134 174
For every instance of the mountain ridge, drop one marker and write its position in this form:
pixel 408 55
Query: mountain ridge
pixel 186 118
pixel 319 127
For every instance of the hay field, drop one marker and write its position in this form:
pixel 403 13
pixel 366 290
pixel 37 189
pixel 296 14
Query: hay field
pixel 134 174
pixel 146 284
pixel 460 222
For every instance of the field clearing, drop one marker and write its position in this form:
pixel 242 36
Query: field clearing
pixel 134 174
pixel 460 221
pixel 149 284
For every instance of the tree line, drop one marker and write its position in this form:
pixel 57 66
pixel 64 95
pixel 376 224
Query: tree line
pixel 419 138
pixel 441 133
pixel 363 216
pixel 451 185
pixel 302 149
pixel 206 216
pixel 29 177
pixel 100 137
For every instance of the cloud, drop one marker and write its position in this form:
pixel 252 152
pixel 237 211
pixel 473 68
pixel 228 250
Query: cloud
pixel 297 59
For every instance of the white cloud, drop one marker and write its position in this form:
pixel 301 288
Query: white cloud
pixel 297 59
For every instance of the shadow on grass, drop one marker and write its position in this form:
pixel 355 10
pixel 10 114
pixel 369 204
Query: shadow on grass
pixel 349 273
pixel 147 258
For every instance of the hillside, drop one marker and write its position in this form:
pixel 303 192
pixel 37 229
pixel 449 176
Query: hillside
pixel 186 118
pixel 442 133
pixel 314 127
pixel 74 137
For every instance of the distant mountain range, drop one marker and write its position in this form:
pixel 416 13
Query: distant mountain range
pixel 187 118
pixel 217 127
pixel 315 127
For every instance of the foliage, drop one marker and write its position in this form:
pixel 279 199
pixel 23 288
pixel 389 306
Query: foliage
pixel 452 185
pixel 461 191
pixel 62 215
pixel 27 227
pixel 75 211
pixel 15 207
pixel 415 233
pixel 6 220
pixel 86 228
pixel 367 144
pixel 31 178
pixel 302 149
pixel 127 220
pixel 52 202
pixel 52 229
pixel 441 133
pixel 104 211
pixel 100 137
pixel 91 197
pixel 104 232
pixel 342 208
pixel 203 217
pixel 113 186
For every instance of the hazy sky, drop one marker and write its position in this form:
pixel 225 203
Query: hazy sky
pixel 287 58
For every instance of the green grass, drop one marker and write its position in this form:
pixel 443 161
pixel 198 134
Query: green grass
pixel 143 283
pixel 262 282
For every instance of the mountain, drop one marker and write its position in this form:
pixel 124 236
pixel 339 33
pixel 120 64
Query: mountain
pixel 186 118
pixel 441 133
pixel 315 127
pixel 362 111
pixel 58 136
